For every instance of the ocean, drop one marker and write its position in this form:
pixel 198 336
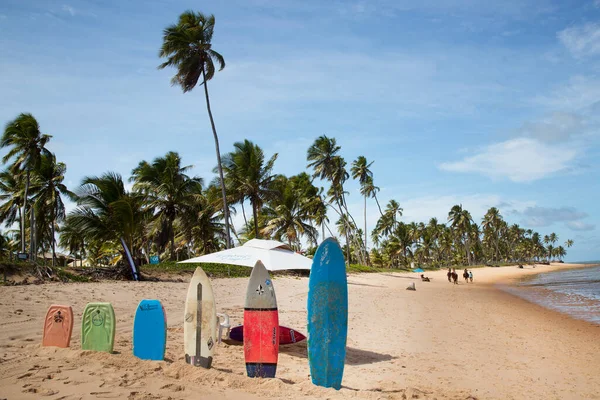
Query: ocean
pixel 575 292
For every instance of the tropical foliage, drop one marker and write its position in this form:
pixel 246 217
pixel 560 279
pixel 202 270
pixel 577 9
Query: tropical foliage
pixel 174 215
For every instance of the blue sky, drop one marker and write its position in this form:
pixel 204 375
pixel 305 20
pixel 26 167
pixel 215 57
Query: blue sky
pixel 455 101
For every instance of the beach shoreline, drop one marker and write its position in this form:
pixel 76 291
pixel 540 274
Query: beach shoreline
pixel 443 341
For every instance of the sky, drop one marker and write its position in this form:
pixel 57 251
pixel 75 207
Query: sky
pixel 456 102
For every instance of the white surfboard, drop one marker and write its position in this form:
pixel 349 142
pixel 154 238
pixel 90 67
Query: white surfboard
pixel 199 321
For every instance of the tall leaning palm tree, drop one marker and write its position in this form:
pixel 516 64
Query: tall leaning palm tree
pixel 26 145
pixel 187 47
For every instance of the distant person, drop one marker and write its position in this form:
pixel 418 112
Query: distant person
pixel 466 275
pixel 454 276
pixel 449 275
pixel 471 276
pixel 424 278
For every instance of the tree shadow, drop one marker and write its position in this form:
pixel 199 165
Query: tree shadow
pixel 353 356
pixel 365 284
pixel 403 277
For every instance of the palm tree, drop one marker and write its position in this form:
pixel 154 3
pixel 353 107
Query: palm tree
pixel 72 237
pixel 292 211
pixel 569 243
pixel 167 188
pixel 200 222
pixel 246 170
pixel 461 222
pixel 107 212
pixel 560 252
pixel 491 225
pixel 187 46
pixel 27 145
pixel 11 198
pixel 389 219
pixel 49 188
pixel 553 237
pixel 322 157
pixel 360 170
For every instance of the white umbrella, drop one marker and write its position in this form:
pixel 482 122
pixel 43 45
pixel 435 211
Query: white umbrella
pixel 275 256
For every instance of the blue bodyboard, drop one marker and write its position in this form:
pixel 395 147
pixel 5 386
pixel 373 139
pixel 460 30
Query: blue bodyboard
pixel 327 315
pixel 150 331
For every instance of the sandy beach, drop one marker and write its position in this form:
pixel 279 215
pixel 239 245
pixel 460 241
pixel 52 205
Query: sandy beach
pixel 442 341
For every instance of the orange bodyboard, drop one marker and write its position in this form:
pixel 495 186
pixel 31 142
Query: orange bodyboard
pixel 58 326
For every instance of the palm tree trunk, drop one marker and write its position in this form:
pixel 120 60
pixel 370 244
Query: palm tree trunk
pixel 378 206
pixel 365 215
pixel 24 213
pixel 212 124
pixel 172 234
pixel 255 215
pixel 31 232
pixel 53 242
pixel 244 214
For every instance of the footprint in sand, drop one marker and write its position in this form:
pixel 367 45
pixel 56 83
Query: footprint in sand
pixel 173 387
pixel 40 391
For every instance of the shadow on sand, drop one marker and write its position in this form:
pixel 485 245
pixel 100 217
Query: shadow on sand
pixel 353 356
pixel 365 284
pixel 403 277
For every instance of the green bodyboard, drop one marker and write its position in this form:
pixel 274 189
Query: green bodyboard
pixel 98 325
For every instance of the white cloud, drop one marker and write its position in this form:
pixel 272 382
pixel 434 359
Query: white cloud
pixel 69 9
pixel 579 93
pixel 557 126
pixel 543 216
pixel 581 41
pixel 520 160
pixel 580 226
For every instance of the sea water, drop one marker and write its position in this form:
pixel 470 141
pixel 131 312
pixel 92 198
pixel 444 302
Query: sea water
pixel 575 292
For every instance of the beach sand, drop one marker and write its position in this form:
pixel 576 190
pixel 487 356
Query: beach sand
pixel 442 341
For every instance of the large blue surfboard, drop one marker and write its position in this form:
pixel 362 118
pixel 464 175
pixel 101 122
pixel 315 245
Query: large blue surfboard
pixel 150 331
pixel 327 315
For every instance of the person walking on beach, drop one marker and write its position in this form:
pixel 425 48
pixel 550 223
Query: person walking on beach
pixel 449 275
pixel 466 275
pixel 471 276
pixel 454 276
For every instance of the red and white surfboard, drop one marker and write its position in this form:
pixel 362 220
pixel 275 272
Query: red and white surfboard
pixel 261 325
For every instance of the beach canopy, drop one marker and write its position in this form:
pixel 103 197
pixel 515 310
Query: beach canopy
pixel 418 270
pixel 275 256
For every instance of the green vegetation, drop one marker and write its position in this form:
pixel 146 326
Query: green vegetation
pixel 212 270
pixel 69 277
pixel 358 268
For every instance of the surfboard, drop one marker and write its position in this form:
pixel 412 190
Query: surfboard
pixel 150 330
pixel 261 322
pixel 327 315
pixel 98 325
pixel 58 326
pixel 286 335
pixel 200 321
